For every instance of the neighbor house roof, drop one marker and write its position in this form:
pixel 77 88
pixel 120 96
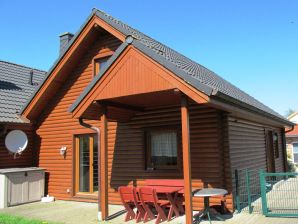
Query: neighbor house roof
pixel 15 89
pixel 191 72
pixel 293 133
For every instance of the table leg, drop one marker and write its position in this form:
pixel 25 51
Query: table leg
pixel 207 208
pixel 173 207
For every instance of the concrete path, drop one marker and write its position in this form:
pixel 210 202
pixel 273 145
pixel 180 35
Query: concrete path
pixel 68 212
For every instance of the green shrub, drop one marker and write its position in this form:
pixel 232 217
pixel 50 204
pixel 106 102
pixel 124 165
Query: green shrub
pixel 291 166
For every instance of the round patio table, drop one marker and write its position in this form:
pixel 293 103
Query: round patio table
pixel 207 193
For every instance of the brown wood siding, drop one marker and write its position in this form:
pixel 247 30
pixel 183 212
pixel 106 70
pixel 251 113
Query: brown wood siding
pixel 247 143
pixel 126 151
pixel 134 75
pixel 56 126
pixel 26 159
pixel 126 163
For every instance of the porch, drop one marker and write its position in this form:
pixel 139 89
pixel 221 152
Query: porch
pixel 68 212
pixel 153 125
pixel 194 152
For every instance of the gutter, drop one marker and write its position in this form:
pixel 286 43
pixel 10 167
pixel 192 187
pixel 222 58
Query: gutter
pixel 97 130
pixel 292 128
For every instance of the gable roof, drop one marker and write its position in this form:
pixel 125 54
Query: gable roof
pixel 191 72
pixel 15 89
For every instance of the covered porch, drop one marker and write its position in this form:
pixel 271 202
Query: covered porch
pixel 153 125
pixel 127 157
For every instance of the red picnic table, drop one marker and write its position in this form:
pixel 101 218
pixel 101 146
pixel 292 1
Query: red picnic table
pixel 172 195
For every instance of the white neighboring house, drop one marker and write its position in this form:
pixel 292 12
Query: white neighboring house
pixel 292 138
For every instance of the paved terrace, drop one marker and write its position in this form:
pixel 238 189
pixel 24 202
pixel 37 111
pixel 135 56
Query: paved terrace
pixel 85 213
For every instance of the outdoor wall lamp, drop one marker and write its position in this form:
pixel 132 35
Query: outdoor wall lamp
pixel 63 151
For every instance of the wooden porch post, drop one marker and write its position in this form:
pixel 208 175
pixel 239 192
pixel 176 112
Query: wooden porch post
pixel 103 190
pixel 186 159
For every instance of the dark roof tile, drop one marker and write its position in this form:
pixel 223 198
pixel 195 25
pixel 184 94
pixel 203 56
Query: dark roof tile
pixel 15 89
pixel 197 71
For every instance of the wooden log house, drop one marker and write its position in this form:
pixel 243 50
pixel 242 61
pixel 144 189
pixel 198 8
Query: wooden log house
pixel 115 94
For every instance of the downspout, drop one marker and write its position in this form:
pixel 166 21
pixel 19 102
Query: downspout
pixel 97 130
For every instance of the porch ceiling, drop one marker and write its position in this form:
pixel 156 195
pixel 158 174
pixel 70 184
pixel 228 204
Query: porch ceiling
pixel 125 107
pixel 153 99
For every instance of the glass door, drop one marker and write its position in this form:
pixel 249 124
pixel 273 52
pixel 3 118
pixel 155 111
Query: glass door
pixel 86 164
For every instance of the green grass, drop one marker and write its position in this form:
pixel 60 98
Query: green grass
pixel 10 219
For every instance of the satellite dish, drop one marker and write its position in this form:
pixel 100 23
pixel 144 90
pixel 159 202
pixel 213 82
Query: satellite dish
pixel 16 141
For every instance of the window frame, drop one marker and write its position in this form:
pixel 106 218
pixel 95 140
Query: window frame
pixel 275 144
pixel 148 161
pixel 293 153
pixel 99 57
pixel 92 138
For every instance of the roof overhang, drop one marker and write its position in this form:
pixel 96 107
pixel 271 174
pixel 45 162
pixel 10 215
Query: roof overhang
pixel 55 75
pixel 241 109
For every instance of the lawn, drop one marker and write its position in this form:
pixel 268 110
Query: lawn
pixel 9 219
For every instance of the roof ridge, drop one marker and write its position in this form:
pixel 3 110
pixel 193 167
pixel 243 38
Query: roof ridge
pixel 21 65
pixel 181 55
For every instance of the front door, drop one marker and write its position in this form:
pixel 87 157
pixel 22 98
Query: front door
pixel 86 166
pixel 270 151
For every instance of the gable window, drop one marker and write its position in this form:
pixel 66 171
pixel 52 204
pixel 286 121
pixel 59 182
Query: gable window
pixel 99 64
pixel 275 145
pixel 162 149
pixel 295 152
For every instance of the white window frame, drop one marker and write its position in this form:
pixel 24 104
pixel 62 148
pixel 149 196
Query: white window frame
pixel 293 151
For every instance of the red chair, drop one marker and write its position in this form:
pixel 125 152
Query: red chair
pixel 130 201
pixel 149 199
pixel 138 204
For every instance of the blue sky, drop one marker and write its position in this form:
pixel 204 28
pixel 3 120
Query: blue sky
pixel 253 44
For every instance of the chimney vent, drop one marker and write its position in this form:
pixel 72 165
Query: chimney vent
pixel 30 82
pixel 64 40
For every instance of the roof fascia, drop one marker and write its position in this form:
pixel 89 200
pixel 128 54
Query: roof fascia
pixel 64 56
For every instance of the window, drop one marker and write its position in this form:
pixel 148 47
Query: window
pixel 99 64
pixel 162 149
pixel 86 164
pixel 295 152
pixel 275 145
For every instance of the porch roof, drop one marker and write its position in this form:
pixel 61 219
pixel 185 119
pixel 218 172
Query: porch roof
pixel 191 72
